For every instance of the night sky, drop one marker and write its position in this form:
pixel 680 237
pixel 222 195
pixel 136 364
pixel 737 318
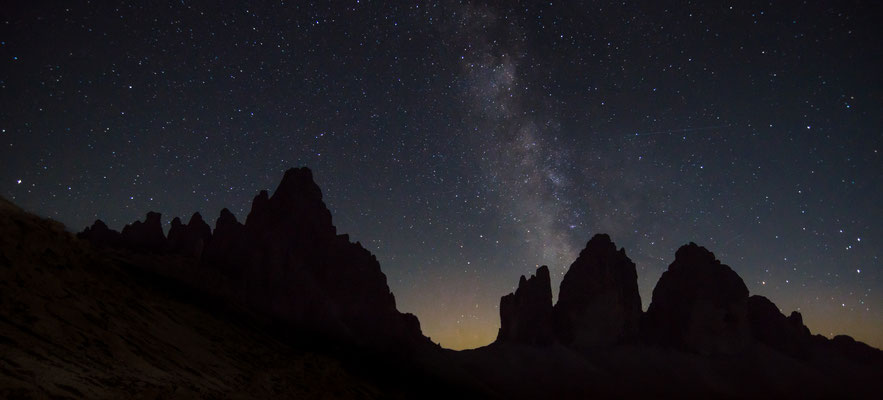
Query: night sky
pixel 467 144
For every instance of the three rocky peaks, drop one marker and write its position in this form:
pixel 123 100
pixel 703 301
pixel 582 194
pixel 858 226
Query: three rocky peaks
pixel 287 261
pixel 699 306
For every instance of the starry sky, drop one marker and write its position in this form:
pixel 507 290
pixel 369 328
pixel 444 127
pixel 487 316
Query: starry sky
pixel 465 144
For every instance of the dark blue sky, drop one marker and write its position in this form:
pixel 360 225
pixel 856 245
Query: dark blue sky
pixel 467 143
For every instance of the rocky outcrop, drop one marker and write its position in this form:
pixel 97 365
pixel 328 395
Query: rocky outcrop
pixel 221 253
pixel 855 351
pixel 698 305
pixel 191 239
pixel 526 314
pixel 145 236
pixel 100 235
pixel 292 264
pixel 296 207
pixel 599 303
pixel 287 262
pixel 772 328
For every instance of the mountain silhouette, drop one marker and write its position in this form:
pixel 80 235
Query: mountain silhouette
pixel 526 315
pixel 598 303
pixel 284 306
pixel 698 305
pixel 190 239
pixel 287 262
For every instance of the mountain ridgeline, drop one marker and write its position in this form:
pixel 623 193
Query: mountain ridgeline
pixel 699 306
pixel 702 330
pixel 286 262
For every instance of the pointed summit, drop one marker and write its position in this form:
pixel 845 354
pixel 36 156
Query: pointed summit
pixel 296 203
pixel 526 315
pixel 287 262
pixel 226 221
pixel 189 240
pixel 100 235
pixel 223 250
pixel 291 264
pixel 145 236
pixel 298 184
pixel 599 303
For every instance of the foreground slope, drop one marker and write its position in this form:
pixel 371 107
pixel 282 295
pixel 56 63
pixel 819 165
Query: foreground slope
pixel 75 323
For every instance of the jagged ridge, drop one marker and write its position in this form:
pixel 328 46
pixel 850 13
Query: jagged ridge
pixel 287 261
pixel 699 306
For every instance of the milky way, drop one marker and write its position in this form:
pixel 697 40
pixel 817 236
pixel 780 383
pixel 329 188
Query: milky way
pixel 465 144
pixel 521 164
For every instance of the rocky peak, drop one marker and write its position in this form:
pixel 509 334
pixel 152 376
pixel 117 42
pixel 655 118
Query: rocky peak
pixel 795 319
pixel 293 265
pixel 145 236
pixel 100 235
pixel 693 256
pixel 226 221
pixel 297 185
pixel 526 314
pixel 176 224
pixel 699 305
pixel 296 205
pixel 196 220
pixel 287 262
pixel 223 250
pixel 190 239
pixel 598 303
pixel 769 326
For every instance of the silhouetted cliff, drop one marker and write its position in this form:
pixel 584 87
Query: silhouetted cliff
pixel 287 261
pixel 191 239
pixel 100 235
pixel 599 304
pixel 145 236
pixel 785 334
pixel 526 315
pixel 698 305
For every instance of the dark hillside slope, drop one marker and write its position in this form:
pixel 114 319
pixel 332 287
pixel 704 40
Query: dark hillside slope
pixel 74 324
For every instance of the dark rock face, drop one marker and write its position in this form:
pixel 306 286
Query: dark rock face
pixel 292 265
pixel 599 303
pixel 189 240
pixel 100 235
pixel 176 233
pixel 699 305
pixel 288 262
pixel 857 351
pixel 526 315
pixel 222 249
pixel 145 236
pixel 771 327
pixel 296 207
